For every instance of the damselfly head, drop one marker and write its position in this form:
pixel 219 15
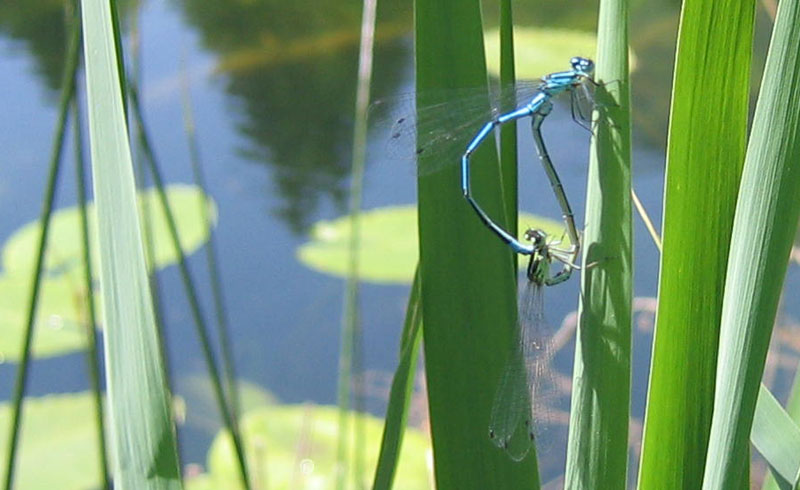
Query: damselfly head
pixel 582 65
pixel 536 237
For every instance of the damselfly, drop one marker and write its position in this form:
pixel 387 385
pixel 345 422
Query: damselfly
pixel 433 127
pixel 527 383
pixel 537 109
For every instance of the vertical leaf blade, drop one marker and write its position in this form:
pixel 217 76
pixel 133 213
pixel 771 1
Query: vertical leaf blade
pixel 468 299
pixel 763 231
pixel 142 431
pixel 597 453
pixel 704 157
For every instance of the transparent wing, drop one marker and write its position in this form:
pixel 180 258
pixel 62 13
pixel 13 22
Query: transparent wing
pixel 438 124
pixel 527 382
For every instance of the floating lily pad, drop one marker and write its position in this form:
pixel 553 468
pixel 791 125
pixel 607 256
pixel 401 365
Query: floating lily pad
pixel 388 246
pixel 58 447
pixel 57 330
pixel 539 51
pixel 61 312
pixel 294 446
pixel 202 409
pixel 64 240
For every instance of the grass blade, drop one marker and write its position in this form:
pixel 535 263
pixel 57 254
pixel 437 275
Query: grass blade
pixel 401 391
pixel 67 92
pixel 777 438
pixel 793 410
pixel 597 453
pixel 508 132
pixel 468 286
pixel 228 419
pixel 142 431
pixel 212 261
pixel 704 156
pixel 763 231
pixel 92 353
pixel 350 353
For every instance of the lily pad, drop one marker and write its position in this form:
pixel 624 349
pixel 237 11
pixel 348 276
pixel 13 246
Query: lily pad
pixel 388 246
pixel 58 447
pixel 61 313
pixel 64 241
pixel 202 411
pixel 294 446
pixel 539 51
pixel 57 329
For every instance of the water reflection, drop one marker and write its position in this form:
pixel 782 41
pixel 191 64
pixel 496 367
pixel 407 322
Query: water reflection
pixel 291 68
pixel 38 27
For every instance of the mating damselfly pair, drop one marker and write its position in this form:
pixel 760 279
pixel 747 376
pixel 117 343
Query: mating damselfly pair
pixel 438 128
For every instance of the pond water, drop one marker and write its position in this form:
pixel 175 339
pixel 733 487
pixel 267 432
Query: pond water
pixel 273 89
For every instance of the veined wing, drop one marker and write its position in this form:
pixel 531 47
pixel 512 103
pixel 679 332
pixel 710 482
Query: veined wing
pixel 527 381
pixel 432 128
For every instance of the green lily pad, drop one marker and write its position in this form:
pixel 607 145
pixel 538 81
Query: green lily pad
pixel 294 446
pixel 64 241
pixel 58 447
pixel 57 330
pixel 388 246
pixel 202 410
pixel 61 313
pixel 539 51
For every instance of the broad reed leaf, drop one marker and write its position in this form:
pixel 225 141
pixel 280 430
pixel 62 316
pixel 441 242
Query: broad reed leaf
pixel 597 451
pixel 468 280
pixel 704 158
pixel 142 442
pixel 766 219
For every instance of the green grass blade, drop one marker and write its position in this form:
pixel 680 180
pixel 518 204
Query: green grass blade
pixel 401 391
pixel 351 332
pixel 597 453
pixel 508 132
pixel 229 421
pixel 142 431
pixel 67 92
pixel 212 261
pixel 793 410
pixel 777 438
pixel 92 353
pixel 763 231
pixel 704 157
pixel 468 289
